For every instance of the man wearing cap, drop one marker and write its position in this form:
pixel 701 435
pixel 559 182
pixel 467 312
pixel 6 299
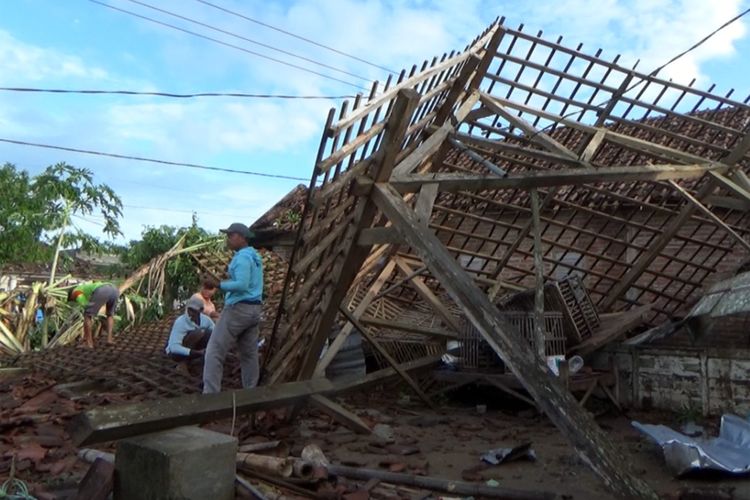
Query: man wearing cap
pixel 240 318
pixel 190 332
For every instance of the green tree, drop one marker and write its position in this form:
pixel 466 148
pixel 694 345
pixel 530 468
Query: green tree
pixel 35 212
pixel 182 273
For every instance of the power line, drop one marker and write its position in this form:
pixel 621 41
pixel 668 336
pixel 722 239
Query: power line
pixel 651 74
pixel 152 160
pixel 170 94
pixel 288 33
pixel 220 42
pixel 175 210
pixel 250 40
pixel 699 43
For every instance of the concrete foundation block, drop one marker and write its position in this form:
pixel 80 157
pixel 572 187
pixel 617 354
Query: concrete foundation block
pixel 187 463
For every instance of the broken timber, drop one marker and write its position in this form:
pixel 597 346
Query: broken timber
pixel 118 422
pixel 559 405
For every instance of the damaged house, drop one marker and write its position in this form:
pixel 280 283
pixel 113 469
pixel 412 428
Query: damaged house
pixel 519 203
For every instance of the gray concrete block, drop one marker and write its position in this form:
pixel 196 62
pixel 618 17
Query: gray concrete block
pixel 187 463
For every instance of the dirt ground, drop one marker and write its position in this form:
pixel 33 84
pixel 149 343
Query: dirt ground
pixel 408 438
pixel 448 443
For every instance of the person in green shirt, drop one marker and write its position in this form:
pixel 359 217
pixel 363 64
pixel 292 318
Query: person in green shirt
pixel 92 296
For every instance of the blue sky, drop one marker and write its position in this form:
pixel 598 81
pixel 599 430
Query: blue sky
pixel 77 44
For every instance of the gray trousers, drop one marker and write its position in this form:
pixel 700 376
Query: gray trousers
pixel 238 324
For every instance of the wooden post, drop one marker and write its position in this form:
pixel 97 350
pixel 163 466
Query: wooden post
pixel 586 437
pixel 539 271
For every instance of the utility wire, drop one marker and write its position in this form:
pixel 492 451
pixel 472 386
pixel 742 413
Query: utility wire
pixel 175 210
pixel 250 40
pixel 226 44
pixel 180 96
pixel 289 33
pixel 152 160
pixel 651 74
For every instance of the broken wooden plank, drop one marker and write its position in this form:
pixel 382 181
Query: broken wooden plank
pixel 587 438
pixel 613 327
pixel 340 414
pixel 109 423
pixel 387 356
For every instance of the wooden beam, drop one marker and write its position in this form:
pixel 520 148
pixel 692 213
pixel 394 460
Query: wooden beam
pixel 424 291
pixel 335 346
pixel 426 149
pixel 593 146
pixel 340 414
pixel 384 235
pixel 386 355
pixel 425 202
pixel 539 325
pixel 731 186
pixel 728 202
pixel 110 423
pixel 534 135
pixel 741 178
pixel 670 154
pixel 708 213
pixel 454 182
pixel 485 145
pixel 404 327
pixel 478 158
pixel 587 438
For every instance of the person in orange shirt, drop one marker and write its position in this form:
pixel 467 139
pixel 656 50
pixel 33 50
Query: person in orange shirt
pixel 209 286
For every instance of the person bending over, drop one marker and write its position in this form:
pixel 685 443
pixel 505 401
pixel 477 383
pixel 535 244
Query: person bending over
pixel 92 296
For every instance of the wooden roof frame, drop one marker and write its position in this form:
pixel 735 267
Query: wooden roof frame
pixel 617 158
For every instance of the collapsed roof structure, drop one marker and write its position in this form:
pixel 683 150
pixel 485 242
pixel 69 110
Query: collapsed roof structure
pixel 512 164
pixel 503 165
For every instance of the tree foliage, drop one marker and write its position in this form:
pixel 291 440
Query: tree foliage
pixel 33 210
pixel 182 273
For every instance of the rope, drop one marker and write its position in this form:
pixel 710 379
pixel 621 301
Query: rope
pixel 15 489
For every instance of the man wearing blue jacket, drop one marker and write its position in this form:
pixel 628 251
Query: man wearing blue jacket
pixel 239 321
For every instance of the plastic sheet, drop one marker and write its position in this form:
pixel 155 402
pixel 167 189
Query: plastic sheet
pixel 730 452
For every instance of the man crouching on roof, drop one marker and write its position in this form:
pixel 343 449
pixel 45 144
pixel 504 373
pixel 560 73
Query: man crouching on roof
pixel 190 333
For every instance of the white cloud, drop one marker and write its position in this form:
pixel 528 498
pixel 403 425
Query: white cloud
pixel 23 62
pixel 652 31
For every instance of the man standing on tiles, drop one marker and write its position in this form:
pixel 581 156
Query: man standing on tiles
pixel 240 318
